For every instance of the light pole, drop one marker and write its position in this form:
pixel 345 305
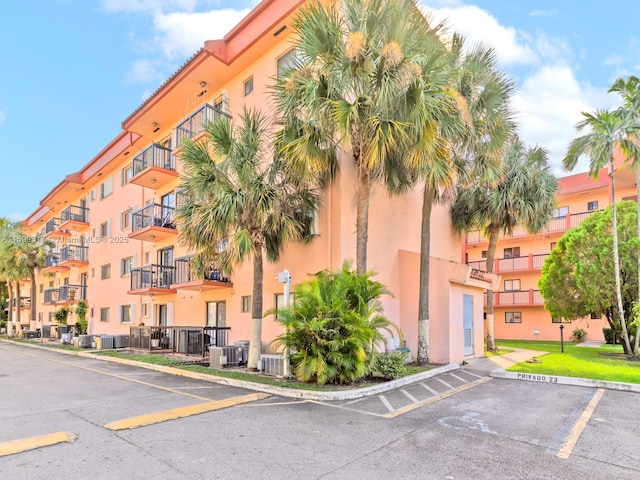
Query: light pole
pixel 561 338
pixel 285 278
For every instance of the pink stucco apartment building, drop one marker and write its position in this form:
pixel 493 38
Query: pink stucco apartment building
pixel 118 246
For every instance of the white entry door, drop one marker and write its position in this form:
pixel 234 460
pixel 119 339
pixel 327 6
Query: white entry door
pixel 467 322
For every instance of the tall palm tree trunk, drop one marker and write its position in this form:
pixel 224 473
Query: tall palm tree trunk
pixel 10 325
pixel 423 295
pixel 362 219
pixel 616 260
pixel 255 340
pixel 33 300
pixel 18 321
pixel 491 255
pixel 636 342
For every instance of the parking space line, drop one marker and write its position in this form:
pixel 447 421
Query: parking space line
pixel 428 401
pixel 433 391
pixel 458 378
pixel 386 403
pixel 157 417
pixel 448 385
pixel 409 396
pixel 23 444
pixel 571 441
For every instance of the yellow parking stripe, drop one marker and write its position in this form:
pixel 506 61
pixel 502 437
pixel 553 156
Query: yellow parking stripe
pixel 574 435
pixel 24 444
pixel 151 418
pixel 428 401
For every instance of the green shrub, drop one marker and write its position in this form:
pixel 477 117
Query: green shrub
pixel 81 321
pixel 578 334
pixel 390 365
pixel 61 315
pixel 334 326
pixel 609 335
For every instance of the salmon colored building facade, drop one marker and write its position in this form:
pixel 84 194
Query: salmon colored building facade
pixel 117 244
pixel 519 311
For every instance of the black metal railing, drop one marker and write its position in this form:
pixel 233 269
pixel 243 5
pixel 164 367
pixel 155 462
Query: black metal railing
pixel 51 260
pixel 51 295
pixel 153 214
pixel 185 274
pixel 195 123
pixel 52 225
pixel 25 302
pixel 154 155
pixel 78 253
pixel 71 293
pixel 151 338
pixel 152 276
pixel 197 340
pixel 75 213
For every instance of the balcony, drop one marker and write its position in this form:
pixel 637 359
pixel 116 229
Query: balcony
pixel 182 340
pixel 530 263
pixel 53 231
pixel 153 223
pixel 525 298
pixel 74 256
pixel 194 125
pixel 154 167
pixel 75 218
pixel 555 225
pixel 52 263
pixel 152 279
pixel 68 294
pixel 185 279
pixel 51 296
pixel 25 303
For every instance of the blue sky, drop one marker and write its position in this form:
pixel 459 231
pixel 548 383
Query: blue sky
pixel 72 70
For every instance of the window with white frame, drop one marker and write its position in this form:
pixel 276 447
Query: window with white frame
pixel 511 252
pixel 125 174
pixel 286 61
pixel 248 86
pixel 246 303
pixel 593 205
pixel 125 266
pixel 561 212
pixel 144 310
pixel 105 271
pixel 125 219
pixel 106 188
pixel 127 313
pixel 511 285
pixel 104 314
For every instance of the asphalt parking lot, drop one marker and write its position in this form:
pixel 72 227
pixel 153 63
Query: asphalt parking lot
pixel 489 429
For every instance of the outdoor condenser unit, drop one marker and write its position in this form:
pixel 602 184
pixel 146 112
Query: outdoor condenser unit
pixel 272 364
pixel 222 356
pixel 84 341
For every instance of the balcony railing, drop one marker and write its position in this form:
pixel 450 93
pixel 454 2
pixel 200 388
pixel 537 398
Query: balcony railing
pixel 51 295
pixel 558 224
pixel 74 253
pixel 53 225
pixel 152 276
pixel 75 213
pixel 51 260
pixel 71 293
pixel 195 123
pixel 153 215
pixel 519 297
pixel 184 273
pixel 25 302
pixel 153 156
pixel 183 340
pixel 512 264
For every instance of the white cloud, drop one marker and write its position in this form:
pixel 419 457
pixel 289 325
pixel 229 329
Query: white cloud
pixel 544 13
pixel 144 71
pixel 182 34
pixel 129 6
pixel 478 25
pixel 17 217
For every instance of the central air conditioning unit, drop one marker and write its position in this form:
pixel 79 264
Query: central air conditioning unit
pixel 121 341
pixel 225 356
pixel 84 341
pixel 106 342
pixel 272 364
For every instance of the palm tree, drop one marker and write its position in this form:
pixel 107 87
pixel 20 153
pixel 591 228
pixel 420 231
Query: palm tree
pixel 525 195
pixel 244 205
pixel 469 146
pixel 368 76
pixel 629 90
pixel 607 130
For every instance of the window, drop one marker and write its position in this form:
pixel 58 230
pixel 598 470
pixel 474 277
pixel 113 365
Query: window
pixel 106 188
pixel 280 300
pixel 144 310
pixel 511 252
pixel 592 205
pixel 93 272
pixel 125 174
pixel 246 303
pixel 125 266
pixel 595 316
pixel 105 271
pixel 51 318
pixel 286 61
pixel 51 284
pixel 125 219
pixel 93 194
pixel 248 86
pixel 126 313
pixel 484 254
pixel 104 314
pixel 561 212
pixel 105 229
pixel 511 285
pixel 512 317
pixel 147 258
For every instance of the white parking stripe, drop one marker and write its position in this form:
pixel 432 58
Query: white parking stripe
pixel 457 377
pixel 429 388
pixel 449 386
pixel 386 403
pixel 409 396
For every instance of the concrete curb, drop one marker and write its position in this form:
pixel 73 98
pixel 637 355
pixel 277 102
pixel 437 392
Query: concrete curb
pixel 260 387
pixel 559 380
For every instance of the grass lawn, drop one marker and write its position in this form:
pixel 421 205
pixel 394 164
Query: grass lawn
pixel 604 363
pixel 501 351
